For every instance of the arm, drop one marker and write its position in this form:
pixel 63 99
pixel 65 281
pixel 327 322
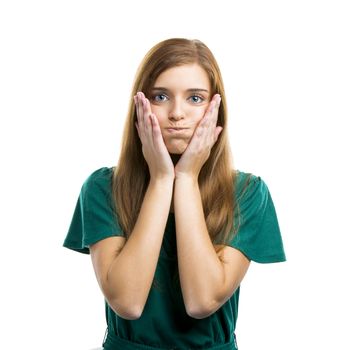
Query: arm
pixel 125 273
pixel 207 280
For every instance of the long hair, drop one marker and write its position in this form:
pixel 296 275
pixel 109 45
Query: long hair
pixel 217 178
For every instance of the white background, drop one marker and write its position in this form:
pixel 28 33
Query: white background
pixel 65 78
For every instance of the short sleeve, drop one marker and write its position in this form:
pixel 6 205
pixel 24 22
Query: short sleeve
pixel 258 236
pixel 93 218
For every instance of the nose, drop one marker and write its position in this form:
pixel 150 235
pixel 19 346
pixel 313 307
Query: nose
pixel 176 111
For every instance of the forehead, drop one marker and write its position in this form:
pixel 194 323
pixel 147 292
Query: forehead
pixel 184 77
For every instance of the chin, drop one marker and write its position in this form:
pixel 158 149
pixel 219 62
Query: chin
pixel 176 146
pixel 177 150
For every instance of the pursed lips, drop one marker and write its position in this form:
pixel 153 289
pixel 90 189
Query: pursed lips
pixel 176 129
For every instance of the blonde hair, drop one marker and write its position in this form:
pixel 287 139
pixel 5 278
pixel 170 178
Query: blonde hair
pixel 217 178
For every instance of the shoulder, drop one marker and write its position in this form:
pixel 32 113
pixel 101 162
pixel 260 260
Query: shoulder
pixel 99 180
pixel 251 191
pixel 248 182
pixel 100 175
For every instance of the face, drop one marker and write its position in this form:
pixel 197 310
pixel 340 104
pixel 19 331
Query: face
pixel 179 99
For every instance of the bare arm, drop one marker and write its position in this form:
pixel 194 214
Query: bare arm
pixel 125 273
pixel 207 279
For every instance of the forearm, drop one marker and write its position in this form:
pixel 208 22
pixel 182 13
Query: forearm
pixel 131 273
pixel 201 271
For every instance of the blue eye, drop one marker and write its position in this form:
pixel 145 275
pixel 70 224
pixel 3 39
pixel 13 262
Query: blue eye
pixel 155 98
pixel 196 99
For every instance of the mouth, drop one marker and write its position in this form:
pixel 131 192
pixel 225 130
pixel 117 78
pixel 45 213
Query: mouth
pixel 176 129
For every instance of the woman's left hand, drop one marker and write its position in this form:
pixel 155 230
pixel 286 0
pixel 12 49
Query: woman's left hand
pixel 203 139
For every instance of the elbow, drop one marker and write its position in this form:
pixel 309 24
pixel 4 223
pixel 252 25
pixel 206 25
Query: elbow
pixel 128 312
pixel 200 311
pixel 125 305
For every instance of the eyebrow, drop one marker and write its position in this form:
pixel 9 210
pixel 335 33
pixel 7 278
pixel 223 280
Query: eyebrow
pixel 159 88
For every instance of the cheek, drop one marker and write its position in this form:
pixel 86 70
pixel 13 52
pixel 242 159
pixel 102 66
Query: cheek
pixel 159 112
pixel 199 114
pixel 194 115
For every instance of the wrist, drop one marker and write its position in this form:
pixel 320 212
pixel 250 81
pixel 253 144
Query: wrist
pixel 162 181
pixel 186 178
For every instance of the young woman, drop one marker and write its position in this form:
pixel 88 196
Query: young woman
pixel 172 228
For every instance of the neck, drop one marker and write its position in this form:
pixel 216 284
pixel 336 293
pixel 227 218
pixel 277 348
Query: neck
pixel 175 157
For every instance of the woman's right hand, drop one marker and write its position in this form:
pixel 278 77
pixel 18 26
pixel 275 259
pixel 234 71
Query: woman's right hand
pixel 153 147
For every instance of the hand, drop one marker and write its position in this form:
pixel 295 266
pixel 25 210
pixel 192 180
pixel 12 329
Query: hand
pixel 153 147
pixel 203 139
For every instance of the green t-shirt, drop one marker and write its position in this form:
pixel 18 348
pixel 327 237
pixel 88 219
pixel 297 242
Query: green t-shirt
pixel 164 323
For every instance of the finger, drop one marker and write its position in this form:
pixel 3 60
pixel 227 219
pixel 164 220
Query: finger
pixel 139 112
pixel 216 101
pixel 210 110
pixel 148 111
pixel 208 117
pixel 218 132
pixel 146 116
pixel 208 124
pixel 157 134
pixel 214 130
pixel 214 109
pixel 138 131
pixel 211 106
pixel 137 123
pixel 155 131
pixel 137 105
pixel 136 109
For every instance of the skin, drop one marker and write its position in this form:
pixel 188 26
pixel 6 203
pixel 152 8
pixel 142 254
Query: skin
pixel 125 269
pixel 177 107
pixel 176 160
